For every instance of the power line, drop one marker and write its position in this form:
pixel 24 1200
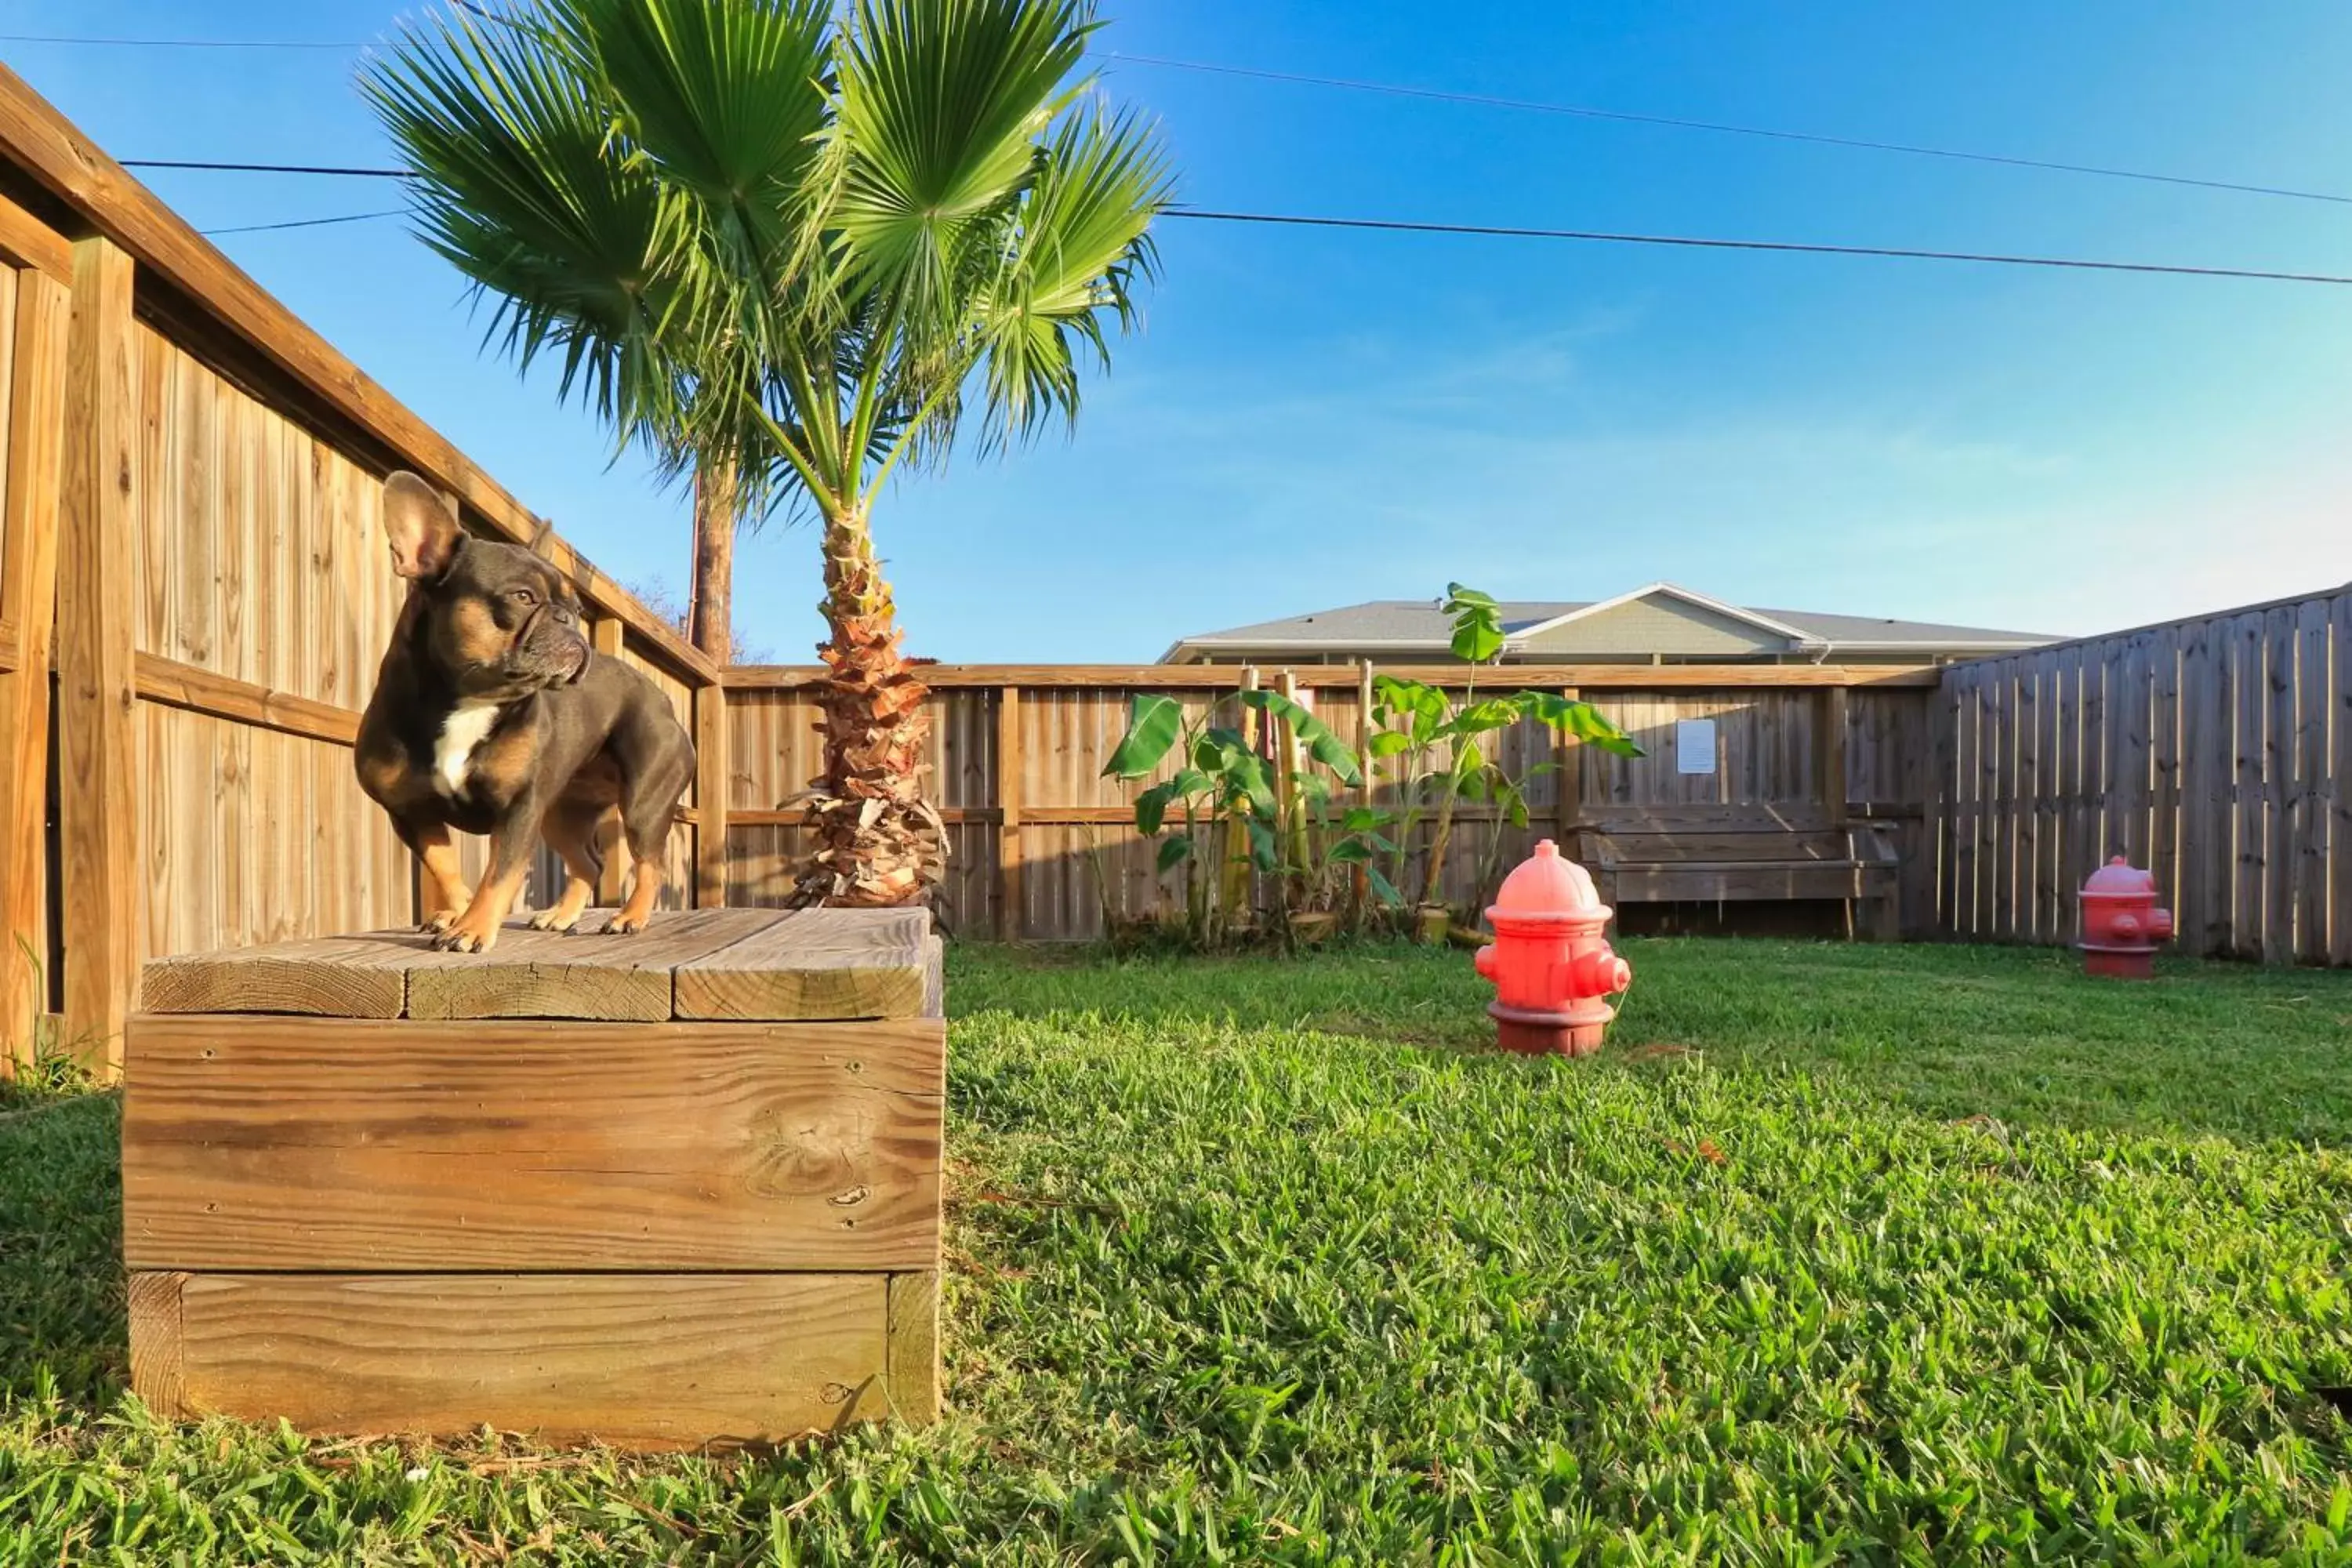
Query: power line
pixel 1597 237
pixel 1441 95
pixel 1586 112
pixel 1796 247
pixel 173 43
pixel 298 223
pixel 266 168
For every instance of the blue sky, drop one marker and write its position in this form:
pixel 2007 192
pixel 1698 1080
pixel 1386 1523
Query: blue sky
pixel 1316 418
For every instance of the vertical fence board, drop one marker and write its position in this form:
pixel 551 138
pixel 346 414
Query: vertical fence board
pixel 97 625
pixel 37 327
pixel 2248 679
pixel 2279 648
pixel 2310 788
pixel 2339 775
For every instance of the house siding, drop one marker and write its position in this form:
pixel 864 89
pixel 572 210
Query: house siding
pixel 1656 625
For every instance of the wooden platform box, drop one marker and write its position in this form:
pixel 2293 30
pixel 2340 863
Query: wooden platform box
pixel 660 1192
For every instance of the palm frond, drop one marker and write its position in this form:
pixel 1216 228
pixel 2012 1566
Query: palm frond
pixel 942 105
pixel 516 190
pixel 1073 255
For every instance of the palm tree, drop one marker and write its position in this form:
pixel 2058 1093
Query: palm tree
pixel 790 248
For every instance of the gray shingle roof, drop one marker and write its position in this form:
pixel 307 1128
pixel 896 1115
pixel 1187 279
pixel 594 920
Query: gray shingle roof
pixel 1422 622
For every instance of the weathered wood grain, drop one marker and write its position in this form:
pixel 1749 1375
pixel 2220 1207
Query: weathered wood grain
pixel 335 977
pixel 545 974
pixel 256 1143
pixel 636 1361
pixel 914 1375
pixel 814 964
pixel 157 1374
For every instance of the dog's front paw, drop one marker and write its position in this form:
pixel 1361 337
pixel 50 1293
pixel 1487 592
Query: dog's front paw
pixel 555 921
pixel 624 925
pixel 463 939
pixel 438 924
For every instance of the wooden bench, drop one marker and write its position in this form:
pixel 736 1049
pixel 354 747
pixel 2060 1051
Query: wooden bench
pixel 1727 854
pixel 658 1191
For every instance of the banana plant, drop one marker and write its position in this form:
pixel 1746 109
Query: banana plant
pixel 1441 741
pixel 1236 808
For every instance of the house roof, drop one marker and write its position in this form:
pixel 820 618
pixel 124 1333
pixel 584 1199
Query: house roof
pixel 1420 626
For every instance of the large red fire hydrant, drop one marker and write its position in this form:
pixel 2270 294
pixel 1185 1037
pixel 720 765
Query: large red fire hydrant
pixel 1551 967
pixel 2121 923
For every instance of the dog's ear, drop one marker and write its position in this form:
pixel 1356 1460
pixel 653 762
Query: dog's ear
pixel 421 527
pixel 540 537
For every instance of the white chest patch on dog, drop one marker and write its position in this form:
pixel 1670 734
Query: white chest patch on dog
pixel 452 754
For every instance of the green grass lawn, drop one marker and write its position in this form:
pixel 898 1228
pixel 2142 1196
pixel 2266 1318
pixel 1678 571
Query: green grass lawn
pixel 1853 1254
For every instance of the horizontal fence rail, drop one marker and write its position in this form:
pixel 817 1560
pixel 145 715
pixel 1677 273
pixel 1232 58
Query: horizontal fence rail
pixel 1044 848
pixel 2213 751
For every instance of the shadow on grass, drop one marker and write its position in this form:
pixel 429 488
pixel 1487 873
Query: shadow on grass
pixel 62 1294
pixel 2021 1035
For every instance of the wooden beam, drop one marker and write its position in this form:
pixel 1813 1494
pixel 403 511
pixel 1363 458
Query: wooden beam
pixel 1567 781
pixel 27 242
pixel 1346 676
pixel 606 636
pixel 1830 719
pixel 200 690
pixel 28 602
pixel 53 152
pixel 711 790
pixel 1124 815
pixel 1008 762
pixel 640 1361
pixel 96 673
pixel 396 1145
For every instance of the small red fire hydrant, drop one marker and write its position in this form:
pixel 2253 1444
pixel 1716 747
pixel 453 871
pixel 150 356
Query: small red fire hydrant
pixel 2121 923
pixel 1552 968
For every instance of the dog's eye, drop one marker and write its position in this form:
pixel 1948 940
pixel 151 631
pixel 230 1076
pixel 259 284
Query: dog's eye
pixel 524 597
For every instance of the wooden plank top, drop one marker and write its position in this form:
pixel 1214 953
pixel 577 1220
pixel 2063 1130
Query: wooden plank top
pixel 741 965
pixel 814 964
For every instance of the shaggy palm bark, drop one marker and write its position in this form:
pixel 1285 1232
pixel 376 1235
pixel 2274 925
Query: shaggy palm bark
pixel 878 842
pixel 710 614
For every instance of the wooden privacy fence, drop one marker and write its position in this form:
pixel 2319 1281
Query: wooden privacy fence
pixel 190 540
pixel 1043 848
pixel 2215 751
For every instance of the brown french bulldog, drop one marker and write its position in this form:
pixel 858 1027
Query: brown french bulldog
pixel 492 714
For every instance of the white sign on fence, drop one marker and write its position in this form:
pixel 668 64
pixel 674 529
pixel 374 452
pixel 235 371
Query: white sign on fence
pixel 1694 745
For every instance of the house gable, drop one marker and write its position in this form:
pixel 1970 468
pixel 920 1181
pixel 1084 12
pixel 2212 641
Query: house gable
pixel 1657 622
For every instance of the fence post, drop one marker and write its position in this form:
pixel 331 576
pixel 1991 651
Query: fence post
pixel 613 849
pixel 1567 781
pixel 36 450
pixel 1009 922
pixel 710 786
pixel 1830 716
pixel 96 689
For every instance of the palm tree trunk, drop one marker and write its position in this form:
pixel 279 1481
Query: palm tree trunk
pixel 878 842
pixel 710 624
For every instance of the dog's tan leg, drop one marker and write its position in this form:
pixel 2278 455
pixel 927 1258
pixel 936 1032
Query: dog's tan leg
pixel 445 891
pixel 644 888
pixel 570 831
pixel 476 931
